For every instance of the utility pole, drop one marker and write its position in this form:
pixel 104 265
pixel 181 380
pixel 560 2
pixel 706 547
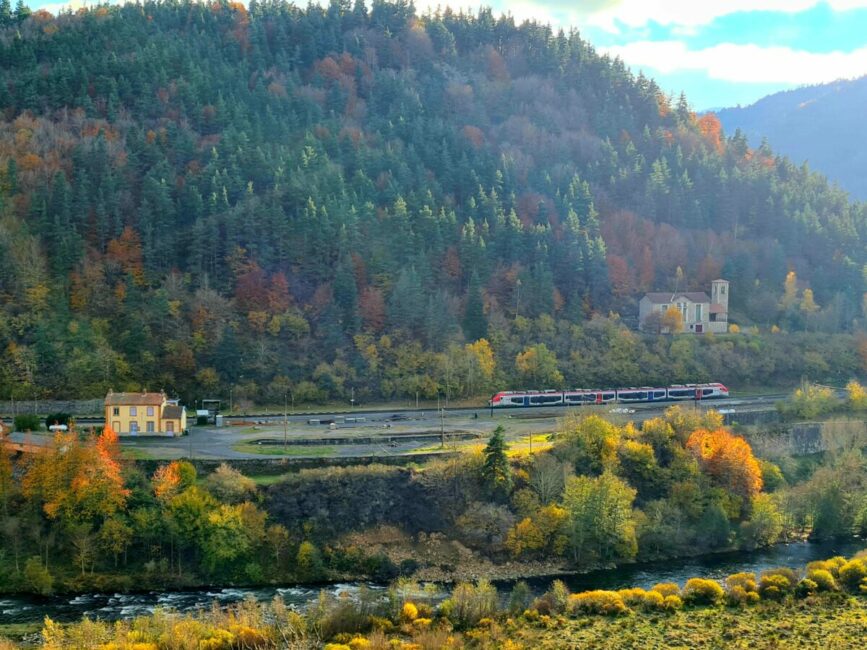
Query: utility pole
pixel 285 423
pixel 352 399
pixel 442 424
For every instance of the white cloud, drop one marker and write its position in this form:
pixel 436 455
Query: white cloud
pixel 73 5
pixel 744 63
pixel 688 14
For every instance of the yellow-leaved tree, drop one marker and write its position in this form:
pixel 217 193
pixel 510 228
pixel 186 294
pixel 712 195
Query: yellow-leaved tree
pixel 538 366
pixel 672 320
pixel 856 396
pixel 480 367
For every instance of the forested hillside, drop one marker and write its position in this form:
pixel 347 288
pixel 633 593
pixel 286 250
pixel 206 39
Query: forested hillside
pixel 198 195
pixel 814 124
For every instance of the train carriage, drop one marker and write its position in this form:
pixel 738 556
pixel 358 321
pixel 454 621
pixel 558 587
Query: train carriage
pixel 580 397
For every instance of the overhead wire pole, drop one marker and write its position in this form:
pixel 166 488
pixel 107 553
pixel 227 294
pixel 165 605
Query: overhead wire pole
pixel 285 423
pixel 441 409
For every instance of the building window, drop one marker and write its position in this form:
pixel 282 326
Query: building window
pixel 150 427
pixel 682 307
pixel 133 427
pixel 151 411
pixel 132 411
pixel 170 427
pixel 722 289
pixel 698 313
pixel 115 410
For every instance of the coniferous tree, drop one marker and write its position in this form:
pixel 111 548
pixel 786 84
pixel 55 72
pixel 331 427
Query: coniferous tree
pixel 475 324
pixel 496 473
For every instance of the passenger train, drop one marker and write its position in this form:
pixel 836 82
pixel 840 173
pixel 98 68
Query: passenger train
pixel 581 396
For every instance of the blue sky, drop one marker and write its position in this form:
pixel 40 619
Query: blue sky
pixel 721 53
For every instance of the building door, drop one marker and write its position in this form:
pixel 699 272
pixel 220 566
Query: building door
pixel 133 428
pixel 170 427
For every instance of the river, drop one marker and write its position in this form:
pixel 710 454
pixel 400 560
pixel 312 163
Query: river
pixel 28 609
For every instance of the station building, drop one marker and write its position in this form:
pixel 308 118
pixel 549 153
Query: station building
pixel 132 414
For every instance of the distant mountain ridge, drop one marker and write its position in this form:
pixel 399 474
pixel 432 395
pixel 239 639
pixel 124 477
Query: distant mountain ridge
pixel 818 124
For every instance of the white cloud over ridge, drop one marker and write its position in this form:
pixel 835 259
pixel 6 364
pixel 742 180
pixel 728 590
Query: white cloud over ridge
pixel 690 14
pixel 744 63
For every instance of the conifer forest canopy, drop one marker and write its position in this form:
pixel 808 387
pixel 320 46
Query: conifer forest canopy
pixel 198 196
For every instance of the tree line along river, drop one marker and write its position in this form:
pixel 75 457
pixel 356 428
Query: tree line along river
pixel 114 606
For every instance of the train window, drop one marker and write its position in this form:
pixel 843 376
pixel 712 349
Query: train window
pixel 680 392
pixel 608 396
pixel 659 393
pixel 707 391
pixel 517 400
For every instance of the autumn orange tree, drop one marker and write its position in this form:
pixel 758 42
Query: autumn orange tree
pixel 729 460
pixel 78 484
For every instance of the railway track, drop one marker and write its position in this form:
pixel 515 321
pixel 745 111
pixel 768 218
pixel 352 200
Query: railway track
pixel 397 415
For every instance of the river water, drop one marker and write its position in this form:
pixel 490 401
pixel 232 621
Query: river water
pixel 26 609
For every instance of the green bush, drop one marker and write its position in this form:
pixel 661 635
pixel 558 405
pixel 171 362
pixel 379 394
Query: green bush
pixel 666 589
pixel 37 576
pixel 699 591
pixel 806 587
pixel 520 598
pixel 774 587
pixel 852 573
pixel 832 565
pixel 738 595
pixel 823 579
pixel 555 600
pixel 633 596
pixel 672 603
pixel 58 418
pixel 308 562
pixel 27 422
pixel 653 600
pixel 746 581
pixel 774 584
pixel 606 603
pixel 470 603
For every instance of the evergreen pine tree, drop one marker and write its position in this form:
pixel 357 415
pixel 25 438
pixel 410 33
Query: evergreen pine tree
pixel 346 295
pixel 22 11
pixel 496 472
pixel 5 12
pixel 475 324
